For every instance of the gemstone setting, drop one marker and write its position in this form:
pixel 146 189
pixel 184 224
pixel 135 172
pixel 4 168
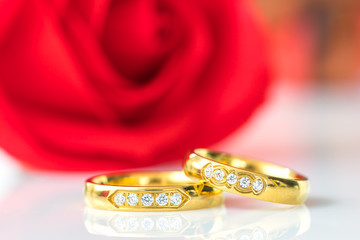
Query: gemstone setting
pixel 231 178
pixel 147 199
pixel 119 199
pixel 244 182
pixel 209 170
pixel 234 178
pixel 258 185
pixel 169 198
pixel 219 175
pixel 132 199
pixel 175 199
pixel 162 199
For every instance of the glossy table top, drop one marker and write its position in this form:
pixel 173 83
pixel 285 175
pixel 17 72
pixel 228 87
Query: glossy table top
pixel 317 136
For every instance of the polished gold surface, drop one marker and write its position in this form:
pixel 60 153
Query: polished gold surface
pixel 265 181
pixel 179 192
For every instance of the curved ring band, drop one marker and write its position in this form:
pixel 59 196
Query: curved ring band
pixel 250 178
pixel 149 191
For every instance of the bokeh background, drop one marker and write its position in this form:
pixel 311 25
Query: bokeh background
pixel 109 85
pixel 89 86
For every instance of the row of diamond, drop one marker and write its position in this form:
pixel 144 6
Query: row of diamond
pixel 232 178
pixel 147 199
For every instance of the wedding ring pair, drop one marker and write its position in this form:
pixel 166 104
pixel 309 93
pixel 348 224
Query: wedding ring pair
pixel 205 175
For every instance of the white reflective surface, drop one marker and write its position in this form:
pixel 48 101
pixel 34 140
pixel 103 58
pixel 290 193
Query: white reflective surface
pixel 318 136
pixel 216 223
pixel 51 207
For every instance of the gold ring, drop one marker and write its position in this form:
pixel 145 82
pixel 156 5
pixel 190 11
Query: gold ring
pixel 149 191
pixel 247 177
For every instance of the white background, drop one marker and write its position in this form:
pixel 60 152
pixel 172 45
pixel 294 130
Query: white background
pixel 316 132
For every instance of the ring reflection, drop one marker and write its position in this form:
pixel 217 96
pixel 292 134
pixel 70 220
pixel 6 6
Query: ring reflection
pixel 215 223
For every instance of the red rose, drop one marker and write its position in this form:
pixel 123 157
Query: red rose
pixel 96 85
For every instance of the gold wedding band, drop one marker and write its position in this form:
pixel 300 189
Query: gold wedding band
pixel 150 191
pixel 247 177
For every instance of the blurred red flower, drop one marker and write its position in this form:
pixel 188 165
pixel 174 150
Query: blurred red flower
pixel 99 85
